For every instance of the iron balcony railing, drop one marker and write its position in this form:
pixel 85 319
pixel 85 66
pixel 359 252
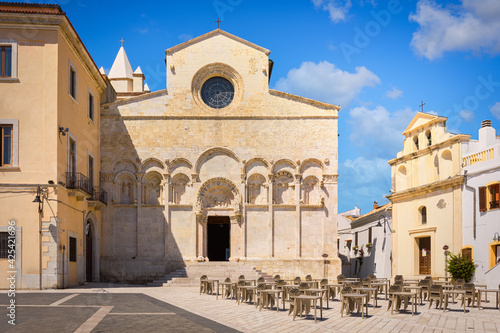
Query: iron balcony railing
pixel 78 181
pixel 99 194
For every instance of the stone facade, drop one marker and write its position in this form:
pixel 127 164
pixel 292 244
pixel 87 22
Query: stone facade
pixel 264 167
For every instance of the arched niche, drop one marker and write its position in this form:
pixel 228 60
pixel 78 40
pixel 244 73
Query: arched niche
pixel 218 163
pixel 311 191
pixel 152 189
pixel 256 189
pixel 179 187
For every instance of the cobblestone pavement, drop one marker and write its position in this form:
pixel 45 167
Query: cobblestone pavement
pixel 119 308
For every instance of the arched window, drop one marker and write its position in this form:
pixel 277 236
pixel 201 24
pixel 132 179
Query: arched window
pixel 415 141
pixel 429 137
pixel 423 215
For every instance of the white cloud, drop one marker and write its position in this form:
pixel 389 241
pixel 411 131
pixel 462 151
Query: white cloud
pixel 394 93
pixel 378 130
pixel 325 82
pixel 338 9
pixel 495 110
pixel 185 37
pixel 466 115
pixel 471 26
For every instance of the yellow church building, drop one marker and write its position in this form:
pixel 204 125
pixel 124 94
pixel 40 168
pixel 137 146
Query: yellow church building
pixel 427 197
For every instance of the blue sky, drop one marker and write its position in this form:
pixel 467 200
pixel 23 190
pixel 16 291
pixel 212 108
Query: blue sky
pixel 377 59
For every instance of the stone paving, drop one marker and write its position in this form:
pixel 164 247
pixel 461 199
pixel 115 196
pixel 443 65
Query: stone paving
pixel 120 308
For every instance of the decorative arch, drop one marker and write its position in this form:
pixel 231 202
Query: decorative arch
pixel 153 164
pixel 446 164
pixel 218 193
pixel 255 163
pixel 152 189
pixel 178 188
pixel 284 189
pixel 179 162
pixel 256 190
pixel 215 150
pixel 284 164
pixel 311 162
pixel 91 218
pixel 126 187
pixel 311 191
pixel 125 165
pixel 401 179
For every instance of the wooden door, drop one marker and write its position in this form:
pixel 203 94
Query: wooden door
pixel 424 247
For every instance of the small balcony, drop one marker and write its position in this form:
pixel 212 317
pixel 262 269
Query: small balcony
pixel 99 198
pixel 78 185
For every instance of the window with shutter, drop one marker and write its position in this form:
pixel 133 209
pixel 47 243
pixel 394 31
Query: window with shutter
pixel 482 199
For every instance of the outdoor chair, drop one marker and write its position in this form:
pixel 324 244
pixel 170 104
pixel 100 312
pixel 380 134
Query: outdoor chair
pixel 348 303
pixel 398 278
pixel 229 291
pixel 296 280
pixel 244 295
pixel 261 280
pixel 470 294
pixel 260 300
pixel 436 294
pixel 204 285
pixel 277 277
pixel 426 286
pixel 293 309
pixel 367 282
pixel 393 289
pixel 340 278
pixel 309 278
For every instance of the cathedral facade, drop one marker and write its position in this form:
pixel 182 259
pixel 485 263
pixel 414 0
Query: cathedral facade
pixel 216 167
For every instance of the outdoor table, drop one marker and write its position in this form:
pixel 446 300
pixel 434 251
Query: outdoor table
pixel 337 287
pixel 241 288
pixel 364 300
pixel 317 290
pixel 447 293
pixel 352 279
pixel 314 283
pixel 225 285
pixel 266 292
pixel 381 284
pixel 310 298
pixel 212 282
pixel 418 291
pixel 252 281
pixel 412 294
pixel 442 283
pixel 409 282
pixel 483 286
pixel 486 291
pixel 370 291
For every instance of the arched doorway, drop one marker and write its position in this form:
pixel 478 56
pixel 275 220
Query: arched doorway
pixel 89 252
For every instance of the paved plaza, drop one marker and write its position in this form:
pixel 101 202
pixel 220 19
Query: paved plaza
pixel 120 308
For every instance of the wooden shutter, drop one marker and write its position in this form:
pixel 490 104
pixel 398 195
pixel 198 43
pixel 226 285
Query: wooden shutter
pixel 482 199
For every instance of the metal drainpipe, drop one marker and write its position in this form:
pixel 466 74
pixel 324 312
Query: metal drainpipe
pixel 474 203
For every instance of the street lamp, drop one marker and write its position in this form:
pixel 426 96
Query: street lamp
pixel 379 224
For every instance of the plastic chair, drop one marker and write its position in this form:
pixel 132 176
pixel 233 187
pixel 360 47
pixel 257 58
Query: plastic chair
pixel 470 294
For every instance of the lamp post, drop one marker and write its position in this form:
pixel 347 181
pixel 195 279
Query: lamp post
pixel 379 224
pixel 40 210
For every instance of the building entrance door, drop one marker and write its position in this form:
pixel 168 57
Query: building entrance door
pixel 424 246
pixel 218 238
pixel 88 244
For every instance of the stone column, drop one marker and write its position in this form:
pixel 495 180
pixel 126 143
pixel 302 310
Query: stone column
pixel 166 198
pixel 270 234
pixel 139 211
pixel 244 198
pixel 298 218
pixel 199 228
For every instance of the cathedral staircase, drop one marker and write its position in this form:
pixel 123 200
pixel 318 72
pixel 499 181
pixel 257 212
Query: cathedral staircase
pixel 189 276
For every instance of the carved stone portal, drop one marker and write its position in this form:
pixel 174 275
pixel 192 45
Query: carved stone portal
pixel 218 193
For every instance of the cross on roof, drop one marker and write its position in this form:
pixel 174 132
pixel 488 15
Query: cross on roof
pixel 218 21
pixel 422 106
pixel 121 41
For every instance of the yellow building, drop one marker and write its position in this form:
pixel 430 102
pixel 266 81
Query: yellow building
pixel 50 93
pixel 427 197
